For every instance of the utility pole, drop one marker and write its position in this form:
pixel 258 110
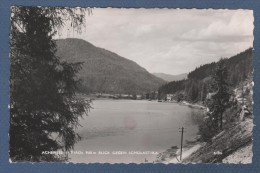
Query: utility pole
pixel 182 131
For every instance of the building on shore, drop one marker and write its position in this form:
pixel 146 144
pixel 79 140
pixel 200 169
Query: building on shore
pixel 169 97
pixel 138 97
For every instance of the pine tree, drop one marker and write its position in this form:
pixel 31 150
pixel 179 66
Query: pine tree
pixel 44 109
pixel 221 95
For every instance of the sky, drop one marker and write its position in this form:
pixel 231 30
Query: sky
pixel 171 41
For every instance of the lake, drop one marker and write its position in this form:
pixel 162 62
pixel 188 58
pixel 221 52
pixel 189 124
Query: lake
pixel 132 131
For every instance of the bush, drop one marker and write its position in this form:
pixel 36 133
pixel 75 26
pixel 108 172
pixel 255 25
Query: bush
pixel 206 130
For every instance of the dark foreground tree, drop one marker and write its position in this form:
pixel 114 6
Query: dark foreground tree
pixel 44 109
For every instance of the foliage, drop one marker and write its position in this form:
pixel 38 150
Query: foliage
pixel 220 95
pixel 206 129
pixel 43 107
pixel 202 71
pixel 198 84
pixel 217 103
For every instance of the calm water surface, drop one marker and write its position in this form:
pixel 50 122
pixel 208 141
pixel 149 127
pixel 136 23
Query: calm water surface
pixel 129 125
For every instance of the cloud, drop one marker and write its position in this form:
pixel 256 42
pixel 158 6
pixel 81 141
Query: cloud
pixel 170 40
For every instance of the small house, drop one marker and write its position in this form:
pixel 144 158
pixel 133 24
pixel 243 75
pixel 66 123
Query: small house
pixel 169 97
pixel 138 97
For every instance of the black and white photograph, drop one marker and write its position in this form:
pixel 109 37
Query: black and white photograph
pixel 131 85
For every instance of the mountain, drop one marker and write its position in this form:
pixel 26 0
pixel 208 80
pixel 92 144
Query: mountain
pixel 169 77
pixel 104 71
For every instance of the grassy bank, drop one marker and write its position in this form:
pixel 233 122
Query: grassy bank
pixel 227 142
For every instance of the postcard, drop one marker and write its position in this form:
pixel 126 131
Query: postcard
pixel 110 85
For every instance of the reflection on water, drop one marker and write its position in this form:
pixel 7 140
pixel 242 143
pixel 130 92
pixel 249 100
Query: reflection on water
pixel 126 125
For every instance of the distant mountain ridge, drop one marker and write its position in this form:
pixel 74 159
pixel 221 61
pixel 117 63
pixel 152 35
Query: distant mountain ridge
pixel 104 71
pixel 169 77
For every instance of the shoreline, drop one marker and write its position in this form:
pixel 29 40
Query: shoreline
pixel 192 105
pixel 172 155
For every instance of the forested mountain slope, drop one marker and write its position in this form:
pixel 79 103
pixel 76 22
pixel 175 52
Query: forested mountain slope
pixel 106 72
pixel 197 85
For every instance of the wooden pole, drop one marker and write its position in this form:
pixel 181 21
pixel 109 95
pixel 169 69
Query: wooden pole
pixel 182 130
